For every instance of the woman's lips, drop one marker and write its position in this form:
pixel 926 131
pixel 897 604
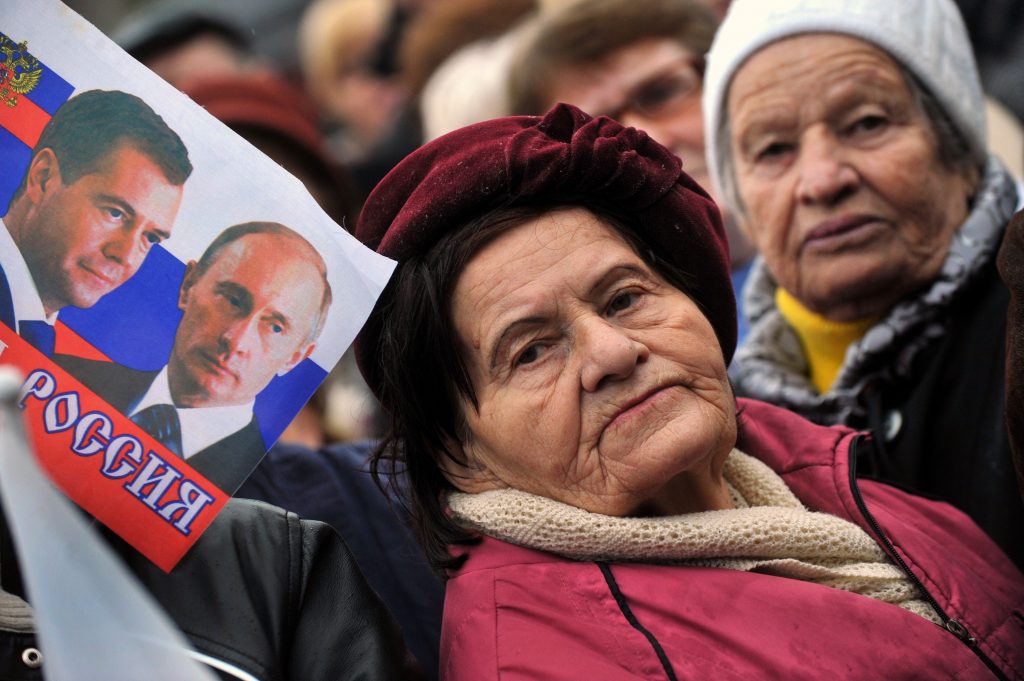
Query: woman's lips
pixel 840 231
pixel 639 405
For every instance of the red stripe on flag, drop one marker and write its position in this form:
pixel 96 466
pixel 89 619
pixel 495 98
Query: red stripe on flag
pixel 67 342
pixel 108 465
pixel 25 120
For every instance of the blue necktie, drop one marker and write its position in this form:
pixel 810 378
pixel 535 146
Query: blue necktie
pixel 39 335
pixel 161 421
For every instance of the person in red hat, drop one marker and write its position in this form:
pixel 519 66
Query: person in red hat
pixel 551 354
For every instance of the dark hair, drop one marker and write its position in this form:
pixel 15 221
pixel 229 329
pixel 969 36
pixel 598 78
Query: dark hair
pixel 588 30
pixel 91 125
pixel 423 379
pixel 236 232
pixel 153 33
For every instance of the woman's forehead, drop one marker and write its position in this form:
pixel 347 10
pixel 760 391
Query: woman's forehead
pixel 558 253
pixel 548 247
pixel 822 61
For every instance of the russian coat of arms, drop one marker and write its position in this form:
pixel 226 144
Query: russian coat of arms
pixel 19 70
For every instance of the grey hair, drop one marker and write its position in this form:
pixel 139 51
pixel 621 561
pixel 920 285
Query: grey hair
pixel 954 150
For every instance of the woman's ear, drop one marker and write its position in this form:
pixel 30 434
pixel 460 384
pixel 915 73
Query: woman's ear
pixel 467 471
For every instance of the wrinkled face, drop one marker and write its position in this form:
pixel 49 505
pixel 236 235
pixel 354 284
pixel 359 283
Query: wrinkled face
pixel 84 239
pixel 652 85
pixel 247 318
pixel 597 381
pixel 837 168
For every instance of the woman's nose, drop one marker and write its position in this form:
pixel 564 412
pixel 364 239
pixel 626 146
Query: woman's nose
pixel 610 354
pixel 826 177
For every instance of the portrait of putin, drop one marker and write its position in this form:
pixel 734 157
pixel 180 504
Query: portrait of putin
pixel 252 307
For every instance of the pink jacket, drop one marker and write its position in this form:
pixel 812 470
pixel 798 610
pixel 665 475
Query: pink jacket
pixel 514 613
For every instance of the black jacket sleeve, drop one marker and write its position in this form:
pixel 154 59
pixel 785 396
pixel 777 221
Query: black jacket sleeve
pixel 279 597
pixel 274 597
pixel 342 630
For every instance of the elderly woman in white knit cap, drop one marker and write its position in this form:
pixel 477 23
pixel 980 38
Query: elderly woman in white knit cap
pixel 849 139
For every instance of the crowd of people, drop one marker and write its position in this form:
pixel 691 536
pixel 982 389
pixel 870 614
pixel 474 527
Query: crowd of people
pixel 703 357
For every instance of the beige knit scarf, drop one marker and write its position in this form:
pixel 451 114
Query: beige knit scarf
pixel 768 532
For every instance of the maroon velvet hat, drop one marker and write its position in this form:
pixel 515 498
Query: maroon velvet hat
pixel 566 156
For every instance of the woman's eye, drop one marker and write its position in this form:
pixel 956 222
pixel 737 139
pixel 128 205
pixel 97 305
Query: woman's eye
pixel 867 124
pixel 528 356
pixel 773 151
pixel 621 302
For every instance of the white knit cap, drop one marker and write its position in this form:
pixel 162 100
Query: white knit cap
pixel 926 36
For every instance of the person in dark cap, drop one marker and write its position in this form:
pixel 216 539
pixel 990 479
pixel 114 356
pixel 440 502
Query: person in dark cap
pixel 551 353
pixel 186 42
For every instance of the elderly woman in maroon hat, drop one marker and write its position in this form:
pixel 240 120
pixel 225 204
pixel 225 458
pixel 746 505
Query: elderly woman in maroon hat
pixel 552 355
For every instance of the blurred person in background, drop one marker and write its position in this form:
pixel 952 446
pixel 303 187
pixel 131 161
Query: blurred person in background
pixel 185 44
pixel 640 62
pixel 850 142
pixel 347 55
pixel 455 60
pixel 443 27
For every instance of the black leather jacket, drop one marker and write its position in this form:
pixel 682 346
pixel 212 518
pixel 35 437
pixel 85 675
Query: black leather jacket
pixel 267 593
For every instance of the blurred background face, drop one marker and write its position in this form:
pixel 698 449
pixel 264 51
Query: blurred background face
pixel 838 172
pixel 88 237
pixel 597 381
pixel 247 318
pixel 653 85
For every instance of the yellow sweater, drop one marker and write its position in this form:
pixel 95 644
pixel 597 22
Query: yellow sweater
pixel 824 341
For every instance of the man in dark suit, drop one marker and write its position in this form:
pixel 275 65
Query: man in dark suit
pixel 104 185
pixel 252 308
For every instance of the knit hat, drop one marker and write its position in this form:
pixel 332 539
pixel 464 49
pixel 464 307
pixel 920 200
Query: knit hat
pixel 926 36
pixel 564 157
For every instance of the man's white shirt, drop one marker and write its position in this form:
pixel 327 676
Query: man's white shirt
pixel 200 426
pixel 28 306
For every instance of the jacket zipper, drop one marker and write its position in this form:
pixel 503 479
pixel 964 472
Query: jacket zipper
pixel 951 625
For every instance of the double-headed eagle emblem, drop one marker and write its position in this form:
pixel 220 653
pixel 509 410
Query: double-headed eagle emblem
pixel 19 70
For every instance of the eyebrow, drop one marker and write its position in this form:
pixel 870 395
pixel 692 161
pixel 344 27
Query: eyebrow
pixel 127 208
pixel 617 272
pixel 613 273
pixel 285 322
pixel 230 287
pixel 767 121
pixel 510 331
